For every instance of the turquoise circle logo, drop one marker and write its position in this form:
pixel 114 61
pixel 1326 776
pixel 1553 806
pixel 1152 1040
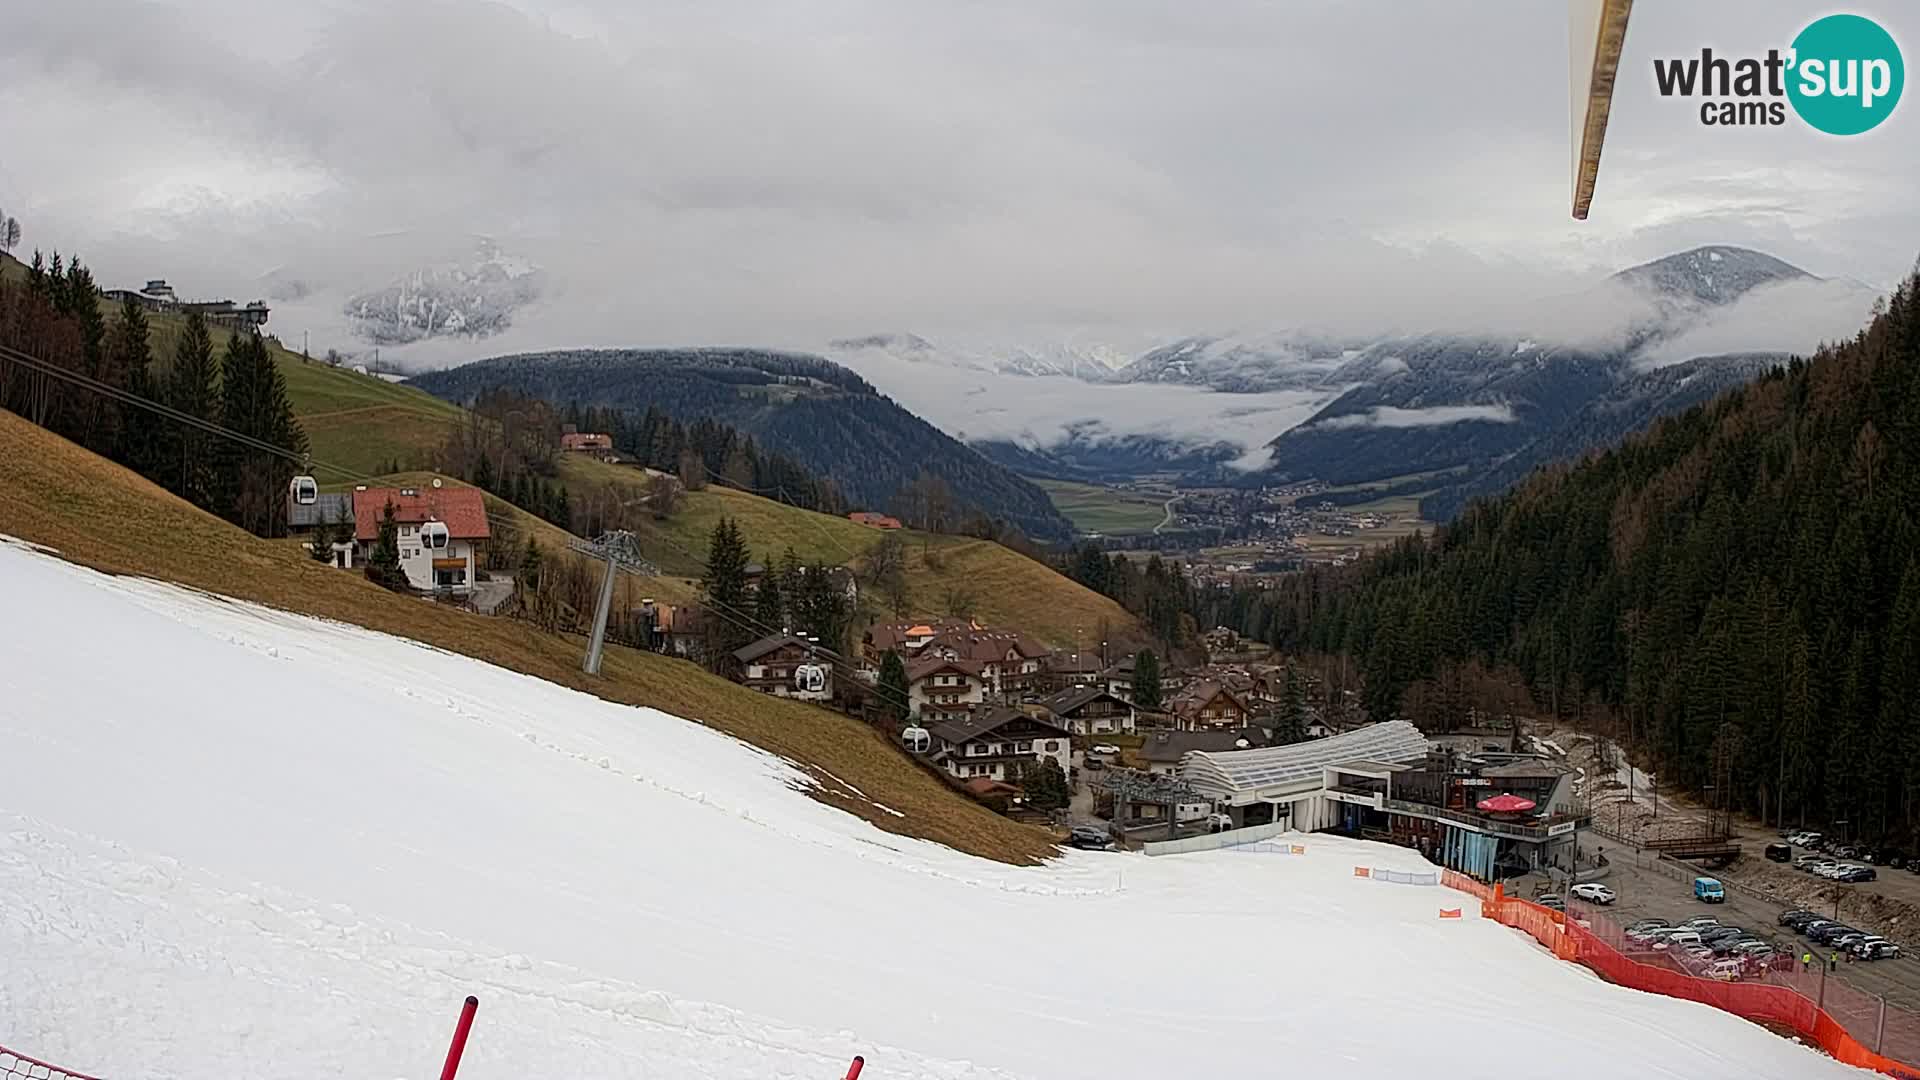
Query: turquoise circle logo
pixel 1847 74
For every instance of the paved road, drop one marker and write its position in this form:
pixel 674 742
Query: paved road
pixel 1647 893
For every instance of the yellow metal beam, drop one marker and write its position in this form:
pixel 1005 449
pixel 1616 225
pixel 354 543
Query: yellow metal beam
pixel 1597 31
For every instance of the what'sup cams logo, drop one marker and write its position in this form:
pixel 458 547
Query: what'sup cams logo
pixel 1842 75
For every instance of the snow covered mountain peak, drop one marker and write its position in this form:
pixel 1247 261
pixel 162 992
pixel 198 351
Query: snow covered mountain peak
pixel 473 299
pixel 1714 275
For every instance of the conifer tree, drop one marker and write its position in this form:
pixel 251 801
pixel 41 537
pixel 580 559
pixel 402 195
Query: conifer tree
pixel 893 685
pixel 137 432
pixel 724 588
pixel 383 563
pixel 1292 726
pixel 769 605
pixel 1146 680
pixel 192 387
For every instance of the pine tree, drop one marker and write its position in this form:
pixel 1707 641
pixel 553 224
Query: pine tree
pixel 320 547
pixel 1292 726
pixel 137 443
pixel 483 473
pixel 1146 680
pixel 724 587
pixel 769 605
pixel 893 686
pixel 192 388
pixel 383 563
pixel 252 486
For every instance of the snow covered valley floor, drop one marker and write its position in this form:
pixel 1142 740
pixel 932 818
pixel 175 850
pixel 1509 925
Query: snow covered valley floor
pixel 235 842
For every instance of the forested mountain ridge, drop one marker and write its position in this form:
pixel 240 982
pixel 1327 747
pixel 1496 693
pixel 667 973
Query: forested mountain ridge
pixel 1479 402
pixel 1739 587
pixel 823 416
pixel 1612 416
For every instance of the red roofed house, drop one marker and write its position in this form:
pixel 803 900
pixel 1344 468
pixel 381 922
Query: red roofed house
pixel 586 442
pixel 878 521
pixel 431 559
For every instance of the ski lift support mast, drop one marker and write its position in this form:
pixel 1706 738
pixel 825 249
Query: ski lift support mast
pixel 621 552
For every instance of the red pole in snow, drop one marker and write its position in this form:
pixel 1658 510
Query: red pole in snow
pixel 459 1038
pixel 853 1072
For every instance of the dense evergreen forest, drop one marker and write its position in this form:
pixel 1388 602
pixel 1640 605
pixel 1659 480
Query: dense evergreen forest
pixel 1736 591
pixel 54 317
pixel 823 417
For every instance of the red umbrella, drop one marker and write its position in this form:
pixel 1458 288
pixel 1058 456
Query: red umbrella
pixel 1506 804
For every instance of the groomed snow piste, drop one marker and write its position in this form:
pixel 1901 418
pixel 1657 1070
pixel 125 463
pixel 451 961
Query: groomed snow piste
pixel 239 843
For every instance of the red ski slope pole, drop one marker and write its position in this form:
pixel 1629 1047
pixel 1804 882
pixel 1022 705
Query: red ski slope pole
pixel 459 1038
pixel 853 1071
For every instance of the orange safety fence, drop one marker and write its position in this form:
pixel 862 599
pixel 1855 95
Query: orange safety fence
pixel 1782 993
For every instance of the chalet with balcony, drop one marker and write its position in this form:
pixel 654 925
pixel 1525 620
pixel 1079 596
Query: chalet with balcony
pixel 1089 710
pixel 1208 705
pixel 996 743
pixel 937 686
pixel 776 665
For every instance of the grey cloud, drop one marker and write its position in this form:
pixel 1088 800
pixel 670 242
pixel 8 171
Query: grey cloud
pixel 776 173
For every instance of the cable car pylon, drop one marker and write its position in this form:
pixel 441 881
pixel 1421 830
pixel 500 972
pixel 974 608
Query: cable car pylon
pixel 621 552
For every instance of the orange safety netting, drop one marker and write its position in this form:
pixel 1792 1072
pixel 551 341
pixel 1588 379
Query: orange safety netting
pixel 1781 993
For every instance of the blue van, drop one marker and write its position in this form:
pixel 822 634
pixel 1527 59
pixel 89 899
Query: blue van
pixel 1709 890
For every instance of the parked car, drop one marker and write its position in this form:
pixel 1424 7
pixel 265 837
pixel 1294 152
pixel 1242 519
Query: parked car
pixel 1699 921
pixel 1094 764
pixel 1779 852
pixel 1647 934
pixel 1709 890
pixel 1794 917
pixel 1595 893
pixel 1089 837
pixel 1858 873
pixel 1727 946
pixel 1644 924
pixel 1551 901
pixel 1830 932
pixel 1808 929
pixel 1876 948
pixel 1105 748
pixel 1860 943
pixel 1679 939
pixel 1724 970
pixel 1808 862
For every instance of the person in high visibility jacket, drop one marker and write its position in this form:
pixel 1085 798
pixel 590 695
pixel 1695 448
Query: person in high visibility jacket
pixel 1806 961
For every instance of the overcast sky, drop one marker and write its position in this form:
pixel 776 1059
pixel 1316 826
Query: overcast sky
pixel 785 171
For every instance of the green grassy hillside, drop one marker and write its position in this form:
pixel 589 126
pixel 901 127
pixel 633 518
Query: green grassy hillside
pixel 1007 589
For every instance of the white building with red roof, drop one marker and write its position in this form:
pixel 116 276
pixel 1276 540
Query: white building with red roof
pixel 439 531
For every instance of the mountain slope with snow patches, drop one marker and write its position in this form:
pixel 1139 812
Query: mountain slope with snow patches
pixel 235 841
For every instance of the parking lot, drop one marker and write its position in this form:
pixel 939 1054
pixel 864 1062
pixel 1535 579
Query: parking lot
pixel 1651 891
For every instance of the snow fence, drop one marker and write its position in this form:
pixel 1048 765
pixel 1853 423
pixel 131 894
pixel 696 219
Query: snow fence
pixel 1853 1026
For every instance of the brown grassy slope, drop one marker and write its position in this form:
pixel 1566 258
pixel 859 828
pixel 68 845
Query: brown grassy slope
pixel 100 515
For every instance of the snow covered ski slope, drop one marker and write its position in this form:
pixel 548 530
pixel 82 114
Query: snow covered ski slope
pixel 239 843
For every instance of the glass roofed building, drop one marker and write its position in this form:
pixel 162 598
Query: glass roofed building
pixel 1283 783
pixel 1386 782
